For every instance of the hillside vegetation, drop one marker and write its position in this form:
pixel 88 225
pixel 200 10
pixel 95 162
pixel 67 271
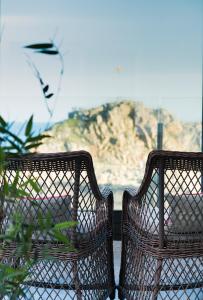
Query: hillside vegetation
pixel 119 136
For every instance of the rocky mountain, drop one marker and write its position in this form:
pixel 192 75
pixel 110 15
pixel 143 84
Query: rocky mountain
pixel 119 136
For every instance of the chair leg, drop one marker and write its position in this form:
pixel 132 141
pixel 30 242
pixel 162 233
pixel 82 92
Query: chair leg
pixel 157 279
pixel 120 294
pixel 111 267
pixel 123 264
pixel 78 290
pixel 110 257
pixel 112 295
pixel 122 268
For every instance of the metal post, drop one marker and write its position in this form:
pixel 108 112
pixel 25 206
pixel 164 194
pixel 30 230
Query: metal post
pixel 0 22
pixel 160 136
pixel 202 82
pixel 202 106
pixel 157 276
pixel 202 118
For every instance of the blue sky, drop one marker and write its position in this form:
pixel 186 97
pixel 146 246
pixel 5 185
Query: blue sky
pixel 146 50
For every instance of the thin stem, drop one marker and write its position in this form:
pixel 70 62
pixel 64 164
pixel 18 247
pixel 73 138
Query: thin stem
pixel 58 89
pixel 38 76
pixel 59 80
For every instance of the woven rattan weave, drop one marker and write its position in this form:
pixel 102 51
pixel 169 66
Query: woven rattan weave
pixel 162 230
pixel 69 191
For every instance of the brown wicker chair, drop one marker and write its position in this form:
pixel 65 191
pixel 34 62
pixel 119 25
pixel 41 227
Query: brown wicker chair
pixel 68 191
pixel 162 230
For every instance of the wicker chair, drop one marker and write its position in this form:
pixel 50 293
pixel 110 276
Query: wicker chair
pixel 162 230
pixel 68 191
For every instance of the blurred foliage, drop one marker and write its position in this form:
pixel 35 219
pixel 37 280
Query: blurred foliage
pixel 12 143
pixel 12 277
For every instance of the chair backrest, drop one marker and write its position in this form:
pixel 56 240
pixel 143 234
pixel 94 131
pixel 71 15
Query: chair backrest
pixel 67 190
pixel 170 197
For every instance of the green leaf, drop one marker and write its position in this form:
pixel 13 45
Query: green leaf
pixel 41 81
pixel 37 138
pixel 29 126
pixel 13 146
pixel 45 89
pixel 11 272
pixel 49 96
pixel 3 122
pixel 32 146
pixel 40 46
pixel 16 180
pixel 65 225
pixel 9 133
pixel 34 185
pixel 40 221
pixel 49 52
pixel 22 193
pixel 60 237
pixel 5 187
pixel 28 234
pixel 48 221
pixel 2 156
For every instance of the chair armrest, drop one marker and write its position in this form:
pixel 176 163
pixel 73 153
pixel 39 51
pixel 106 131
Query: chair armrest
pixel 107 200
pixel 104 210
pixel 130 201
pixel 131 191
pixel 105 192
pixel 129 194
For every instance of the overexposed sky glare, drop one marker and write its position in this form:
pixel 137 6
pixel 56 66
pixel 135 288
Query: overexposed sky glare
pixel 146 50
